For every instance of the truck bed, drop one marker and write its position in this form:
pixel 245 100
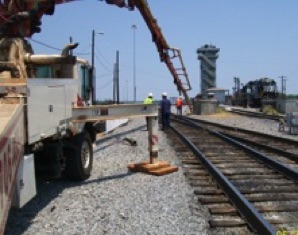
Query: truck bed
pixel 7 111
pixel 11 152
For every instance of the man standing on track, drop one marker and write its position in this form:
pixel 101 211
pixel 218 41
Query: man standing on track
pixel 165 109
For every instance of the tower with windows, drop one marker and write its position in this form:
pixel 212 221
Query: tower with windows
pixel 208 54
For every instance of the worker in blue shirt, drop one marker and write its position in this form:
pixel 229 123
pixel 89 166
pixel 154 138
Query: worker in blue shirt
pixel 165 110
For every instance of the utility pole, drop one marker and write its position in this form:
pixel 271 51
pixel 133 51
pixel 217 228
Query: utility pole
pixel 117 76
pixel 114 84
pixel 126 90
pixel 116 95
pixel 134 27
pixel 283 86
pixel 92 81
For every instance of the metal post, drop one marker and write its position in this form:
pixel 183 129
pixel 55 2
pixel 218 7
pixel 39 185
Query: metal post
pixel 134 27
pixel 126 90
pixel 153 139
pixel 92 81
pixel 114 84
pixel 117 78
pixel 283 86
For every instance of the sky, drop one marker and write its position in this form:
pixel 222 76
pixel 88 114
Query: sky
pixel 256 38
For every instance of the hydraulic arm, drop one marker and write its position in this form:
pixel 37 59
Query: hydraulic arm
pixel 167 54
pixel 22 18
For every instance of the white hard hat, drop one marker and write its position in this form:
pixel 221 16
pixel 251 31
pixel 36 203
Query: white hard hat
pixel 150 95
pixel 164 94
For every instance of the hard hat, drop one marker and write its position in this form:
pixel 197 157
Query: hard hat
pixel 164 94
pixel 150 95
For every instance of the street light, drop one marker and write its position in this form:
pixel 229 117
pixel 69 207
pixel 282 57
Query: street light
pixel 92 77
pixel 134 27
pixel 126 90
pixel 283 86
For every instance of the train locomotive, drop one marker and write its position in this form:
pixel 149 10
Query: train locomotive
pixel 259 93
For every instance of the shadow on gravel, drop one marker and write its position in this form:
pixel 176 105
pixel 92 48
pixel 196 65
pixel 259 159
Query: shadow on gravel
pixel 20 219
pixel 112 136
pixel 48 190
pixel 116 137
pixel 109 177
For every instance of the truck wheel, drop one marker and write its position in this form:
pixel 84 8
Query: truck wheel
pixel 79 157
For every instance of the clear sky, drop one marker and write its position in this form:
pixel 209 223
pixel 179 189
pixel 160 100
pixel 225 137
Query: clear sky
pixel 257 38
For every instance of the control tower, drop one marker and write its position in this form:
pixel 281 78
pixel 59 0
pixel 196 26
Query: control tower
pixel 207 54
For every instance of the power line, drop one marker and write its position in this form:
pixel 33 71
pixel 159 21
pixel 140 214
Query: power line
pixel 105 85
pixel 82 53
pixel 46 45
pixel 108 69
pixel 144 71
pixel 101 55
pixel 57 49
pixel 104 75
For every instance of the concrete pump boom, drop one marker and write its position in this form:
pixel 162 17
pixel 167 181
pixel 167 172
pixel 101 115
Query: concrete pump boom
pixel 22 18
pixel 166 53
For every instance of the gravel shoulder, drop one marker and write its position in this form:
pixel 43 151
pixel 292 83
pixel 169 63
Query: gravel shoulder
pixel 114 200
pixel 248 123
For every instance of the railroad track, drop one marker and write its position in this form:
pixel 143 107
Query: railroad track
pixel 281 149
pixel 244 189
pixel 256 114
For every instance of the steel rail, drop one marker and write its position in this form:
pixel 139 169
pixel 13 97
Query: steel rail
pixel 254 219
pixel 276 165
pixel 273 164
pixel 257 115
pixel 237 128
pixel 289 155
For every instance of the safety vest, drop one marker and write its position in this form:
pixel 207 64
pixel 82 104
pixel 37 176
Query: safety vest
pixel 179 103
pixel 148 101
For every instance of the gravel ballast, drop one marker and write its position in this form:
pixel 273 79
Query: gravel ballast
pixel 114 200
pixel 265 126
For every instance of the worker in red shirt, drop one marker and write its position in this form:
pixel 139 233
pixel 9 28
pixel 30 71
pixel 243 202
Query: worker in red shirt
pixel 179 106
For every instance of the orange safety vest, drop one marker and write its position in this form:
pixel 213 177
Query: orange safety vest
pixel 179 103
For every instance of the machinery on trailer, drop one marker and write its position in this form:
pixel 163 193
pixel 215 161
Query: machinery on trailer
pixel 46 112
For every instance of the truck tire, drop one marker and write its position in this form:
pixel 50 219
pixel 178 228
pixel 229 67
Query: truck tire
pixel 79 157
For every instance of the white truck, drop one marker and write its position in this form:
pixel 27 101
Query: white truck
pixel 47 121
